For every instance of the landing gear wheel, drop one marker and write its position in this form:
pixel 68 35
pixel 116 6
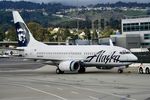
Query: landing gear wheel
pixel 120 70
pixel 141 70
pixel 147 71
pixel 58 71
pixel 81 70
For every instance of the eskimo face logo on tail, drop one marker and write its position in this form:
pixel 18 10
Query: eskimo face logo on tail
pixel 23 34
pixel 102 57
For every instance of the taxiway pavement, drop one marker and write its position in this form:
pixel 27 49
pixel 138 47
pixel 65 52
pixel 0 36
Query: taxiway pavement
pixel 30 81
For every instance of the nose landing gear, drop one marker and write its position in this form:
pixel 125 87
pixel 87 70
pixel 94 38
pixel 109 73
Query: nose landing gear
pixel 120 70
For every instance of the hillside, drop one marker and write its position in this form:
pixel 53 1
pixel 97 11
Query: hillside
pixel 100 16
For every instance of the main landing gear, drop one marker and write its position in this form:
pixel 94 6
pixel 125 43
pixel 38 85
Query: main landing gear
pixel 81 70
pixel 58 71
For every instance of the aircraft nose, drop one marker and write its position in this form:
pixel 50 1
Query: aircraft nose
pixel 128 58
pixel 133 58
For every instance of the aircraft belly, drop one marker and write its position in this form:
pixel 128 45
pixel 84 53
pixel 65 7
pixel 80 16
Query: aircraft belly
pixel 103 64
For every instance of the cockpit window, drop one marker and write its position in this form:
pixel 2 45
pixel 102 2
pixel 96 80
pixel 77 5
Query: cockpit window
pixel 125 52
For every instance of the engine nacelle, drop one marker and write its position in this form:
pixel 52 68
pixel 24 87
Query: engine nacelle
pixel 69 65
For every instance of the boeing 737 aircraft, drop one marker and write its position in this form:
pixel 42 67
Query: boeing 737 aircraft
pixel 71 57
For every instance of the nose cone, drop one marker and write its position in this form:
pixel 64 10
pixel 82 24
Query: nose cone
pixel 133 58
pixel 128 58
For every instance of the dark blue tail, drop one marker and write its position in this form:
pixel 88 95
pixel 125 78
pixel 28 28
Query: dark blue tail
pixel 23 34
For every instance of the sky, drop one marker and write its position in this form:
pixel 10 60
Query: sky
pixel 84 2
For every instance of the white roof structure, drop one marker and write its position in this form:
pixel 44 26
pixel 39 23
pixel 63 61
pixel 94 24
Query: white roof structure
pixel 139 50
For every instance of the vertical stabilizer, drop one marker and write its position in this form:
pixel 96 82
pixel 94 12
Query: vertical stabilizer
pixel 23 33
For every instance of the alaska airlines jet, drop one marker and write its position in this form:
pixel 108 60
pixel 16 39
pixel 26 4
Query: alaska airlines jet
pixel 71 57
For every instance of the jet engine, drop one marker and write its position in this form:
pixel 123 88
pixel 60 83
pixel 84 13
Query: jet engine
pixel 69 66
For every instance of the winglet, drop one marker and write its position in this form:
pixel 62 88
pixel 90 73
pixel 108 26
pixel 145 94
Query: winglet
pixel 110 42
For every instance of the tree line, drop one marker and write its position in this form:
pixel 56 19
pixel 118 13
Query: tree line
pixel 54 7
pixel 51 7
pixel 42 25
pixel 56 34
pixel 122 4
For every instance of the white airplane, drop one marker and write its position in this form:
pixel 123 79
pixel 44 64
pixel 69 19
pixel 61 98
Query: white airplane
pixel 71 57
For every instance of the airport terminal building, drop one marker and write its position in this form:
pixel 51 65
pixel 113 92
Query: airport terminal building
pixel 135 33
pixel 137 27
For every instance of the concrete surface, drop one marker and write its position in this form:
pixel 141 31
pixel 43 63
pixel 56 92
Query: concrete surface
pixel 33 82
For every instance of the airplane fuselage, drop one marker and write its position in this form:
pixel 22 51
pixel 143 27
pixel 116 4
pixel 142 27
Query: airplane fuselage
pixel 91 54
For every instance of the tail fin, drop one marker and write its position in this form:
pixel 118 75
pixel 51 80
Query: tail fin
pixel 23 33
